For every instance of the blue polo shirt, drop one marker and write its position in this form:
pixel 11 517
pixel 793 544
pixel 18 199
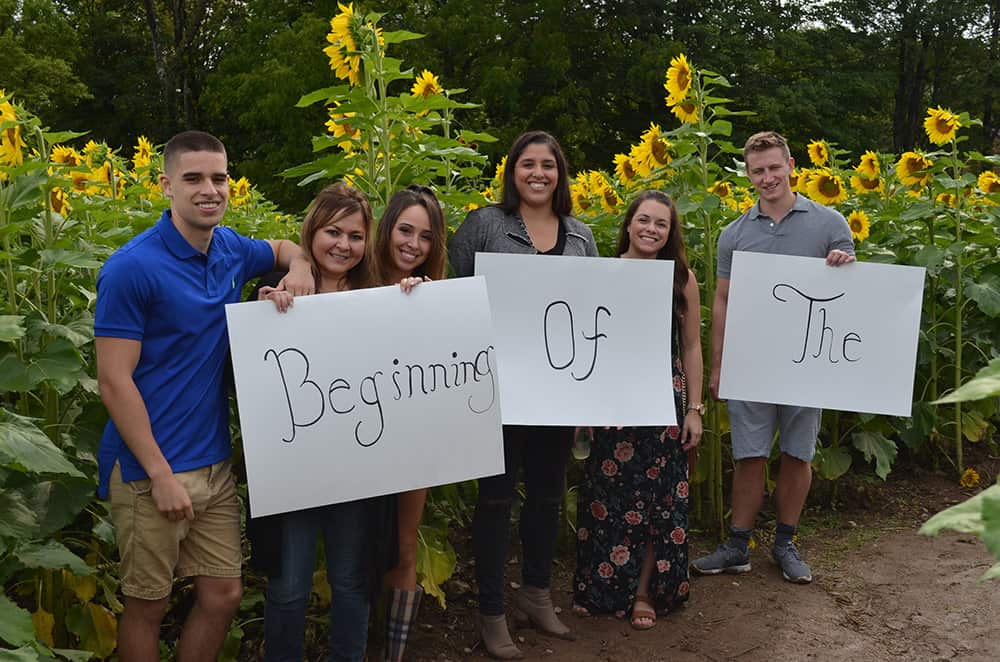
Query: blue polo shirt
pixel 161 291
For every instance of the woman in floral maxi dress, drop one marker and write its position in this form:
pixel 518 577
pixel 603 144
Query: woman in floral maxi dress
pixel 632 511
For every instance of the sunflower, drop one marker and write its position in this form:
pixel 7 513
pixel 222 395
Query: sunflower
pixel 988 182
pixel 860 225
pixel 94 153
pixel 864 185
pixel 11 143
pixel 798 181
pixel 66 156
pixel 340 126
pixel 143 155
pixel 869 166
pixel 653 151
pixel 345 60
pixel 580 194
pixel 819 153
pixel 941 125
pixel 686 111
pixel 58 201
pixel 721 189
pixel 678 80
pixel 624 169
pixel 910 169
pixel 970 478
pixel 239 191
pixel 498 175
pixel 425 85
pixel 826 188
pixel 598 187
pixel 947 199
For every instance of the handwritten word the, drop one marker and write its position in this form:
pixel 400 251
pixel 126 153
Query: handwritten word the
pixel 561 308
pixel 820 337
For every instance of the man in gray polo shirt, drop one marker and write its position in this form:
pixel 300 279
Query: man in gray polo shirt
pixel 785 223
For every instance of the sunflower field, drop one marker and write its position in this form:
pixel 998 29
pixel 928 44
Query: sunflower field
pixel 66 203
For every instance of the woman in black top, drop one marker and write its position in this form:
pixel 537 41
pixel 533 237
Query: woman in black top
pixel 533 217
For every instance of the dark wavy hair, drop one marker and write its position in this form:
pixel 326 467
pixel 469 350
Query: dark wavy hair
pixel 672 250
pixel 412 195
pixel 510 202
pixel 332 204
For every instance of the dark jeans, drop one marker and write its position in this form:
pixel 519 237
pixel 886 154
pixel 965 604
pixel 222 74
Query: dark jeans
pixel 343 527
pixel 543 452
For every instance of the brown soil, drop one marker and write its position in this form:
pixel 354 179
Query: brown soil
pixel 881 592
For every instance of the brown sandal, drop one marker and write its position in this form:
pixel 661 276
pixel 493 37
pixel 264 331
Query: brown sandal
pixel 643 614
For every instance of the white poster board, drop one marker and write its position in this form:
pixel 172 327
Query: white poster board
pixel 367 392
pixel 799 332
pixel 582 340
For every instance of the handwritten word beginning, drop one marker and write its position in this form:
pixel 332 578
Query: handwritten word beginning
pixel 824 329
pixel 308 400
pixel 561 308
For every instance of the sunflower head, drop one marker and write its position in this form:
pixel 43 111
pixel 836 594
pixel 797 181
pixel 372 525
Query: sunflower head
pixel 11 144
pixel 826 188
pixel 143 154
pixel 66 156
pixel 686 111
pixel 988 182
pixel 654 149
pixel 426 85
pixel 819 153
pixel 721 189
pixel 860 225
pixel 624 168
pixel 941 125
pixel 580 194
pixel 345 59
pixel 58 201
pixel 862 184
pixel 970 478
pixel 911 169
pixel 679 78
pixel 868 166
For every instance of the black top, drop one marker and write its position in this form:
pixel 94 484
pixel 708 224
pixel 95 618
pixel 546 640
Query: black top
pixel 560 242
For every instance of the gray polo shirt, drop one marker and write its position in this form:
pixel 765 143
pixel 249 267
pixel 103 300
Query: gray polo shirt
pixel 808 230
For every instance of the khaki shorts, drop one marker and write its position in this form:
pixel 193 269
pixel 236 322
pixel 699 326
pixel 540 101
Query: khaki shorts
pixel 154 550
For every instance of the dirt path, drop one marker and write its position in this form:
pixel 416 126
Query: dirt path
pixel 882 592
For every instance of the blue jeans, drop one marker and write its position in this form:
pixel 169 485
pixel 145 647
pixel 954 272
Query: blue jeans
pixel 343 526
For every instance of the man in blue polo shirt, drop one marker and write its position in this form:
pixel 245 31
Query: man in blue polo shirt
pixel 782 222
pixel 162 348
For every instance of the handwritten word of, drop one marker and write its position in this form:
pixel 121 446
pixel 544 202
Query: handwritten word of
pixel 557 306
pixel 824 329
pixel 307 402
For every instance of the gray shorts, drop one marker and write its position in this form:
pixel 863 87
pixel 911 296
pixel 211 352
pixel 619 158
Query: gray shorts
pixel 753 425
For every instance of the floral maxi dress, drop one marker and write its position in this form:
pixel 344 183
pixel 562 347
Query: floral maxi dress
pixel 635 489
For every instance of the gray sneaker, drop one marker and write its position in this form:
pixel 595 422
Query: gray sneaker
pixel 793 568
pixel 725 558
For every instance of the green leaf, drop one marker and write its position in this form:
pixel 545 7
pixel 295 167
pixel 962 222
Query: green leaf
pixel 11 327
pixel 986 294
pixel 17 520
pixel 23 654
pixel 722 127
pixel 965 517
pixel 322 95
pixel 435 562
pixel 399 36
pixel 974 426
pixel 930 257
pixel 16 375
pixel 52 555
pixel 58 257
pixel 992 573
pixel 985 384
pixel 16 627
pixel 877 447
pixel 25 448
pixel 96 627
pixel 60 364
pixel 991 524
pixel 73 655
pixel 57 137
pixel 832 463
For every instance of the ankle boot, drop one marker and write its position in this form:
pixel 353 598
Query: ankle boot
pixel 496 637
pixel 402 608
pixel 535 605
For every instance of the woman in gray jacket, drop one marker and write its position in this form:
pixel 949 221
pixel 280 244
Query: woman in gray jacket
pixel 533 217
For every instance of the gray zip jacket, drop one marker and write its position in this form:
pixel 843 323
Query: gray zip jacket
pixel 492 230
